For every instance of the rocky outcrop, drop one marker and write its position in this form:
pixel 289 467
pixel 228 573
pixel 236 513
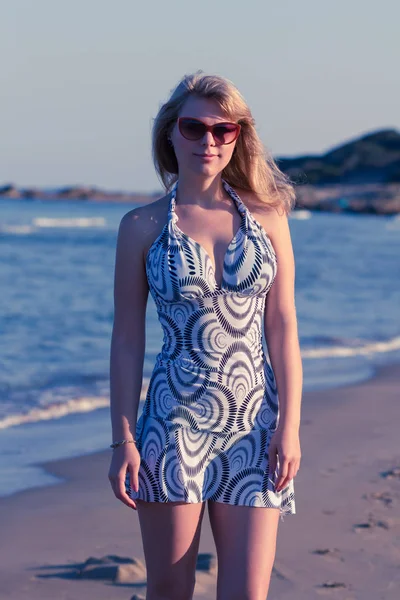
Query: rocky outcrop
pixel 76 193
pixel 372 158
pixel 10 191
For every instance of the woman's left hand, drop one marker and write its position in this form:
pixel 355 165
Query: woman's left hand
pixel 284 448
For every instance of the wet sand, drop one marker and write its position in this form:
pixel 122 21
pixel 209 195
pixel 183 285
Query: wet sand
pixel 343 542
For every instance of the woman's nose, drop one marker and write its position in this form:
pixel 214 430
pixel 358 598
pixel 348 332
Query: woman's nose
pixel 208 139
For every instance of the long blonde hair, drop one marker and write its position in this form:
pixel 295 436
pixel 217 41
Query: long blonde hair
pixel 251 167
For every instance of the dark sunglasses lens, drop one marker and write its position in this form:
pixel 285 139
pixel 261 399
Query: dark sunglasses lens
pixel 191 130
pixel 226 133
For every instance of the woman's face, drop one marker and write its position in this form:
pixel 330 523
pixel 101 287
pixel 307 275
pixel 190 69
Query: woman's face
pixel 204 156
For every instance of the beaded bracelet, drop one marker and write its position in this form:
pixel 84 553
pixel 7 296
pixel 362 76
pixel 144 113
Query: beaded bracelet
pixel 116 444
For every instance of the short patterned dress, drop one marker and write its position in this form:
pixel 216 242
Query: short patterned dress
pixel 211 405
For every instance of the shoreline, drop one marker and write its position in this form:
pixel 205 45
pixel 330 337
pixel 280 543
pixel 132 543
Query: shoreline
pixel 390 372
pixel 71 427
pixel 373 198
pixel 343 540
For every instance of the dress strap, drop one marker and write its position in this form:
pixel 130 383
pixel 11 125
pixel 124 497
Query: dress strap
pixel 239 203
pixel 172 201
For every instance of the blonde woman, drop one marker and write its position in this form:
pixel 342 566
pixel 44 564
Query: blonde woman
pixel 221 417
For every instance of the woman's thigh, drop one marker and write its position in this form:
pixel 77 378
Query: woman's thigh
pixel 245 539
pixel 171 534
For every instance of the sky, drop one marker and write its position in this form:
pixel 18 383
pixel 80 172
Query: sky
pixel 81 81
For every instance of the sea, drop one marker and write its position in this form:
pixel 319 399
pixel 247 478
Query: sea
pixel 56 315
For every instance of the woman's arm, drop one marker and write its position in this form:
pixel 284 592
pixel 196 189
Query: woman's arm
pixel 128 334
pixel 280 327
pixel 127 352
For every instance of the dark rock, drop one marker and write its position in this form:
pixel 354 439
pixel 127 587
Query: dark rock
pixel 392 473
pixel 371 158
pixel 10 191
pixel 206 562
pixel 31 193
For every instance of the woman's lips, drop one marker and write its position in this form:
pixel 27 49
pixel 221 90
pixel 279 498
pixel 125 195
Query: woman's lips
pixel 206 156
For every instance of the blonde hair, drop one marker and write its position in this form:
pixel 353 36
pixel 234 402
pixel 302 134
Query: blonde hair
pixel 251 167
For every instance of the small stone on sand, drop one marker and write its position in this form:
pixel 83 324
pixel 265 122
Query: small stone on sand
pixel 391 473
pixel 206 562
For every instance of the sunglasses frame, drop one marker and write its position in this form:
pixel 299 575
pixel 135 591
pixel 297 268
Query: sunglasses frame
pixel 210 128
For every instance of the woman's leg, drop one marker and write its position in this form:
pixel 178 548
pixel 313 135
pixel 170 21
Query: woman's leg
pixel 171 535
pixel 245 539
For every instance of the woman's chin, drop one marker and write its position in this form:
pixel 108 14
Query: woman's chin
pixel 206 169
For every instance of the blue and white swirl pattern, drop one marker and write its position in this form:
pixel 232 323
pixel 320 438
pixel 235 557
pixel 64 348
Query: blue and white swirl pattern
pixel 212 402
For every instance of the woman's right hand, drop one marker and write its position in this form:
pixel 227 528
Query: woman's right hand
pixel 125 458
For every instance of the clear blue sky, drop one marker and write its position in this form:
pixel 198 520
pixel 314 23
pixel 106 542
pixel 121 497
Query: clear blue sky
pixel 82 80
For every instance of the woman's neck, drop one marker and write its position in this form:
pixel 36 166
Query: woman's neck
pixel 200 191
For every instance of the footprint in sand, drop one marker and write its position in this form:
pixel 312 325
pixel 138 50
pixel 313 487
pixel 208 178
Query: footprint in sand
pixel 328 471
pixel 385 497
pixel 329 586
pixel 371 524
pixel 329 553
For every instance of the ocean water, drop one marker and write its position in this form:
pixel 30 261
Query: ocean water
pixel 56 311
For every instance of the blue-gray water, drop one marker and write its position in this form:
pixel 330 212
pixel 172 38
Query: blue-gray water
pixel 56 309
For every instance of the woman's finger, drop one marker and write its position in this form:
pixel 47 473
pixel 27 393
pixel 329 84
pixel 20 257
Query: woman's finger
pixel 289 476
pixel 134 477
pixel 282 474
pixel 120 492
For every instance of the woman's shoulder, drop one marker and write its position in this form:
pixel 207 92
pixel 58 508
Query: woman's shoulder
pixel 147 212
pixel 143 224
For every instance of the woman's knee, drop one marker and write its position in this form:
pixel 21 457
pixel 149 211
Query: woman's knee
pixel 229 590
pixel 171 586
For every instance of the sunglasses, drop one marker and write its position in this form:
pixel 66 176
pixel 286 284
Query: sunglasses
pixel 194 129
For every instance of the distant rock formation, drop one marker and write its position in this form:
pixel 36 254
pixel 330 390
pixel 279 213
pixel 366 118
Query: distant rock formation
pixel 361 176
pixel 372 158
pixel 10 191
pixel 76 193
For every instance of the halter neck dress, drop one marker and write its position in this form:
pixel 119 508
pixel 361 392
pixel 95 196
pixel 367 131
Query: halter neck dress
pixel 211 405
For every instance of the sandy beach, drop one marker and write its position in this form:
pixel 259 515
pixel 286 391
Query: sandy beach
pixel 343 542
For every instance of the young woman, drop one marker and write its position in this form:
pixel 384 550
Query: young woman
pixel 216 255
